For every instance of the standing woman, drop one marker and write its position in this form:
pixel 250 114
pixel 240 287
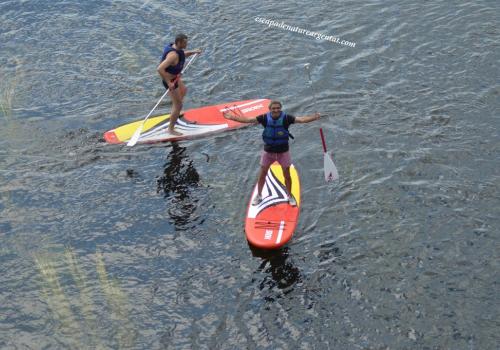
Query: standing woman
pixel 172 62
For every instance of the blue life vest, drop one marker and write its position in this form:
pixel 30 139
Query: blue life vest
pixel 275 132
pixel 178 67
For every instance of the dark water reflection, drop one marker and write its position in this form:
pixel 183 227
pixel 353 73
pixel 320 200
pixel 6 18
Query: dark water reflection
pixel 179 174
pixel 176 184
pixel 279 267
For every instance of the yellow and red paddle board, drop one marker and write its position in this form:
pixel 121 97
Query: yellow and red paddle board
pixel 272 223
pixel 195 123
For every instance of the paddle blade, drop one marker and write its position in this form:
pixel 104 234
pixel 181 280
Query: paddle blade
pixel 331 173
pixel 133 140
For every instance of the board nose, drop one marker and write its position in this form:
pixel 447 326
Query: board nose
pixel 111 137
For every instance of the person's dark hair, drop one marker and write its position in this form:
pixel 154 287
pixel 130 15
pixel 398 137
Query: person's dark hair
pixel 274 102
pixel 180 37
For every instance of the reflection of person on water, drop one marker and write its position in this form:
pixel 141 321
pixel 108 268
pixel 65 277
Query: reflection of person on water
pixel 178 179
pixel 276 148
pixel 282 272
pixel 172 62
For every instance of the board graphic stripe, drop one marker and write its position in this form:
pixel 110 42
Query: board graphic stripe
pixel 280 232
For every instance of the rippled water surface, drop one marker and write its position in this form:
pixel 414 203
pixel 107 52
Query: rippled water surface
pixel 112 247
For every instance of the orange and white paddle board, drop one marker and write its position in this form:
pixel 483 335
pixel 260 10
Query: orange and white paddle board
pixel 272 223
pixel 195 123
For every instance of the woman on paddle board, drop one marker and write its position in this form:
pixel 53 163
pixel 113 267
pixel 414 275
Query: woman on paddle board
pixel 172 62
pixel 275 136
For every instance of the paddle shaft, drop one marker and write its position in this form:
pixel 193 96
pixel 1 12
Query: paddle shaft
pixel 322 139
pixel 166 92
pixel 316 103
pixel 311 84
pixel 329 167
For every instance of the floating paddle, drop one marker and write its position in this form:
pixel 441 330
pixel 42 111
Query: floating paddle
pixel 331 173
pixel 135 137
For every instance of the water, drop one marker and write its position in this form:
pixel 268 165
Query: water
pixel 111 247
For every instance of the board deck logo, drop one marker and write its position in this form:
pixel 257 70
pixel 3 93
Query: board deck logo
pixel 268 235
pixel 244 110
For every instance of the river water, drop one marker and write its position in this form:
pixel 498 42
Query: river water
pixel 111 247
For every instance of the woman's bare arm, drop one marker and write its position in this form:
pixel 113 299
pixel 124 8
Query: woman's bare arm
pixel 307 118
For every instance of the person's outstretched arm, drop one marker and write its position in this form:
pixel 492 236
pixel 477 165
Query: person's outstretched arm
pixel 191 52
pixel 239 118
pixel 307 118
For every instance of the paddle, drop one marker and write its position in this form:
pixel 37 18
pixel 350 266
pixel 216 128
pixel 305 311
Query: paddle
pixel 135 137
pixel 331 173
